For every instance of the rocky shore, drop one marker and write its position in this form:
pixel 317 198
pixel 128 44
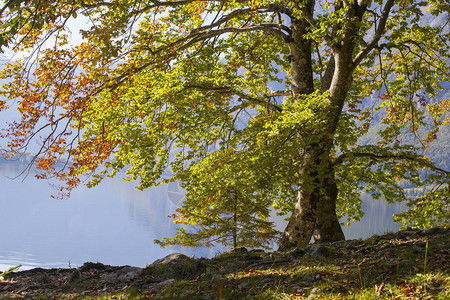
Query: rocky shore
pixel 409 264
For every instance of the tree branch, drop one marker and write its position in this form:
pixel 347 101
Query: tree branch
pixel 230 90
pixel 340 159
pixel 376 37
pixel 6 6
pixel 233 15
pixel 186 42
pixel 278 93
pixel 309 18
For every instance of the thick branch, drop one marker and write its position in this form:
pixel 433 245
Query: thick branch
pixel 327 76
pixel 340 159
pixel 233 15
pixel 278 93
pixel 188 41
pixel 273 28
pixel 376 37
pixel 230 90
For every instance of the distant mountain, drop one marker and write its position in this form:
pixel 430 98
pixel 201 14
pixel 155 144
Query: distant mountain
pixel 24 158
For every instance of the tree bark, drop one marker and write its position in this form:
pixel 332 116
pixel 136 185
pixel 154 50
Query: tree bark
pixel 302 221
pixel 315 211
pixel 328 228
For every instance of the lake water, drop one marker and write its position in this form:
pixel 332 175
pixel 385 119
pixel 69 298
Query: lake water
pixel 113 223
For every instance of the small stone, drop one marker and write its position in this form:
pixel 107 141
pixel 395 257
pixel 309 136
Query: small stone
pixel 316 251
pixel 156 286
pixel 166 283
pixel 125 274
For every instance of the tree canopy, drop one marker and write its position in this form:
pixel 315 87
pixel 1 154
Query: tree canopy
pixel 251 104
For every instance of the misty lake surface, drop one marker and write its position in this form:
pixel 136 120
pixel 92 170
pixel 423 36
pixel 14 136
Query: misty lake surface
pixel 112 223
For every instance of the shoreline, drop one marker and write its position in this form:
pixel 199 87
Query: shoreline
pixel 409 264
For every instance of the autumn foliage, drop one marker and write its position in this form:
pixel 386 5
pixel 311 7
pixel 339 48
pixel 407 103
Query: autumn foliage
pixel 268 100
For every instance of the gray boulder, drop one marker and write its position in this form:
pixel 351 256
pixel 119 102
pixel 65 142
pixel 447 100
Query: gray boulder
pixel 126 274
pixel 175 265
pixel 170 259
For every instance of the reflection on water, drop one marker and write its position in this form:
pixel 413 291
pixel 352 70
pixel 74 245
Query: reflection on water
pixel 377 219
pixel 113 223
pixel 27 260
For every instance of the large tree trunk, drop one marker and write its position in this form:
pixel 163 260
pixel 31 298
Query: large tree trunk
pixel 315 211
pixel 328 228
